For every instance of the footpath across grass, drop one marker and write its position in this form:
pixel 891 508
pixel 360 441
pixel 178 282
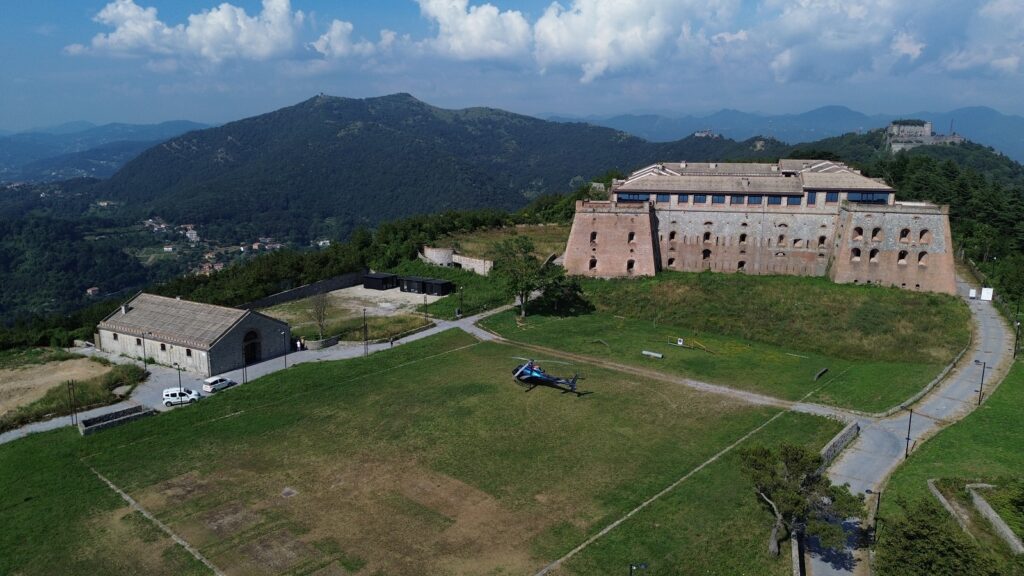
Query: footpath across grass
pixel 987 447
pixel 787 373
pixel 427 458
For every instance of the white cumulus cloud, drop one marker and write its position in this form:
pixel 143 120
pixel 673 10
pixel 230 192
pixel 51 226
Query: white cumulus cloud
pixel 221 33
pixel 476 32
pixel 337 42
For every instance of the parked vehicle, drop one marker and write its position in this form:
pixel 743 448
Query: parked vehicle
pixel 217 383
pixel 176 396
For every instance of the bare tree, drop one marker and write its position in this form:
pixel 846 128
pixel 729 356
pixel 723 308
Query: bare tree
pixel 318 311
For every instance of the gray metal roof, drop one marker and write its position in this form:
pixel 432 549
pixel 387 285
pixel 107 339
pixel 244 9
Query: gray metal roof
pixel 789 176
pixel 174 321
pixel 713 184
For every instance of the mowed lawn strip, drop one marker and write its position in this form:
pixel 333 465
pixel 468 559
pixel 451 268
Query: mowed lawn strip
pixel 711 524
pixel 786 373
pixel 406 465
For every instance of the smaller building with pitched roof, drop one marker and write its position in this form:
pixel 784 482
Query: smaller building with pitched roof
pixel 200 338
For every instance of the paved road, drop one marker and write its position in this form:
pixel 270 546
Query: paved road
pixel 150 392
pixel 880 448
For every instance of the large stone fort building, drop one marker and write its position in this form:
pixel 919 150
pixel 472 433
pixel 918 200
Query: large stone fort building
pixel 801 217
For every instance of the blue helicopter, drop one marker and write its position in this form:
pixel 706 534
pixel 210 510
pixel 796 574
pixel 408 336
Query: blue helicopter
pixel 531 375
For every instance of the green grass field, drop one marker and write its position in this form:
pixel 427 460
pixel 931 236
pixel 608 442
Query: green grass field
pixel 424 459
pixel 769 334
pixel 776 371
pixel 547 239
pixel 986 446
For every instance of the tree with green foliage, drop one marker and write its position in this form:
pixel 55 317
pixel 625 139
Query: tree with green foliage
pixel 804 501
pixel 926 542
pixel 518 268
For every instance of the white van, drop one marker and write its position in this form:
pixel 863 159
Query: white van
pixel 176 396
pixel 217 383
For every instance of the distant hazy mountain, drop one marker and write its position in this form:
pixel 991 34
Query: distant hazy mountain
pixel 99 162
pixel 23 148
pixel 360 162
pixel 982 125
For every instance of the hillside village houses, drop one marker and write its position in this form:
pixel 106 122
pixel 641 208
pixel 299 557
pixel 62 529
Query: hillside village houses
pixel 200 338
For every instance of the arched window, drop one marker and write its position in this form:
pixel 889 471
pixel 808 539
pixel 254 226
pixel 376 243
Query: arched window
pixel 783 225
pixel 741 265
pixel 780 254
pixel 671 235
pixel 593 263
pixel 782 240
pixel 855 255
pixel 858 233
pixel 905 235
pixel 707 223
pixel 744 225
pixel 922 259
pixel 593 237
pixel 671 262
pixel 707 236
pixel 925 237
pixel 706 254
pixel 629 266
pixel 876 235
pixel 743 238
pixel 821 241
pixel 631 237
pixel 798 243
pixel 902 258
pixel 873 256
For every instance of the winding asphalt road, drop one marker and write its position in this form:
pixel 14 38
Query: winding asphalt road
pixel 867 463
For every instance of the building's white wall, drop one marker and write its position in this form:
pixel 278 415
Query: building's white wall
pixel 191 360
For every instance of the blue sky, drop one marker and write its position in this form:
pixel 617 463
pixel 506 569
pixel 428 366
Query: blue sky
pixel 153 60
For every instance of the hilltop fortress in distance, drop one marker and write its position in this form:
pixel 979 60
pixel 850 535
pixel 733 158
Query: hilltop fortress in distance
pixel 799 217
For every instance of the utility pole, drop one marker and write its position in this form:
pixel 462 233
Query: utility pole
pixel 178 367
pixel 72 402
pixel 366 336
pixel 1016 325
pixel 287 345
pixel 981 388
pixel 145 365
pixel 424 306
pixel 906 454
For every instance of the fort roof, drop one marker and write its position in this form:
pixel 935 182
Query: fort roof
pixel 713 184
pixel 789 176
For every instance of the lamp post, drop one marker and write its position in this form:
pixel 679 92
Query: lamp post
pixel 178 368
pixel 461 306
pixel 906 454
pixel 424 306
pixel 981 388
pixel 1016 326
pixel 245 363
pixel 145 364
pixel 287 345
pixel 366 336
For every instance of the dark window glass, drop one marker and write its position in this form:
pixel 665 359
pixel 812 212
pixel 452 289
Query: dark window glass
pixel 753 199
pixel 626 197
pixel 812 198
pixel 700 198
pixel 775 200
pixel 793 201
pixel 683 198
pixel 832 197
pixel 662 197
pixel 868 197
pixel 718 199
pixel 736 199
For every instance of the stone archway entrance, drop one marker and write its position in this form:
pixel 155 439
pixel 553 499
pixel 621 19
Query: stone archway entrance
pixel 253 350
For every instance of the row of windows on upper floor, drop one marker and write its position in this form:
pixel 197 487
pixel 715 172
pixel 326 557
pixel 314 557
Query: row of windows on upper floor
pixel 757 199
pixel 901 257
pixel 163 347
pixel 924 236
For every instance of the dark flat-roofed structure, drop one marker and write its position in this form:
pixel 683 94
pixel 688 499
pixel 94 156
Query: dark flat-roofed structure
pixel 422 285
pixel 201 338
pixel 380 281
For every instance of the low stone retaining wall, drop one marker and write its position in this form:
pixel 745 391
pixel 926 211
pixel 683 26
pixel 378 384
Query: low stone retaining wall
pixel 97 423
pixel 1000 525
pixel 838 443
pixel 321 344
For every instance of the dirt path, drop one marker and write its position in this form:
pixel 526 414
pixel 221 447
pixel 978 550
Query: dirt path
pixel 20 386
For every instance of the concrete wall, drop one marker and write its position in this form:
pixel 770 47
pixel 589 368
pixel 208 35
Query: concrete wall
pixel 932 273
pixel 612 225
pixel 439 256
pixel 191 360
pixel 305 291
pixel 228 352
pixel 480 266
